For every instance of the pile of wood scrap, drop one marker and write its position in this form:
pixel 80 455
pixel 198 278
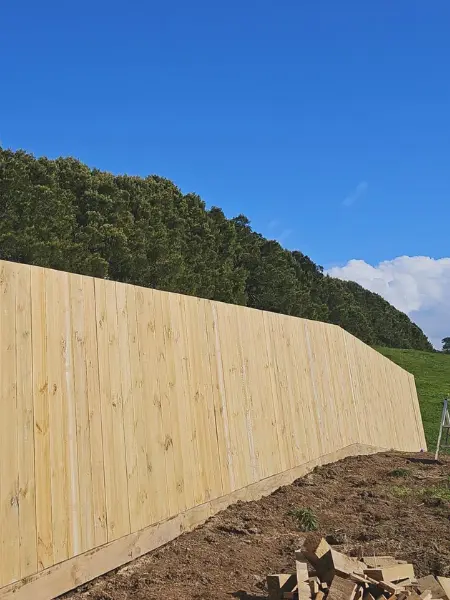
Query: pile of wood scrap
pixel 322 573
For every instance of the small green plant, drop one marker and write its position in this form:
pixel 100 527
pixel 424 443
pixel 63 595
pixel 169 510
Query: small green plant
pixel 306 518
pixel 401 491
pixel 399 472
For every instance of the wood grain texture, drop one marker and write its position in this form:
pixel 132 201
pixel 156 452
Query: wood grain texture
pixel 78 570
pixel 126 408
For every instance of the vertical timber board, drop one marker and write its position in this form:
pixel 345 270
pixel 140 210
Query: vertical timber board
pixel 379 408
pixel 9 467
pixel 260 408
pixel 201 397
pixel 41 398
pixel 418 416
pixel 294 393
pixel 173 391
pixel 316 405
pixel 339 381
pixel 218 397
pixel 282 351
pixel 317 357
pixel 267 403
pixel 70 413
pixel 154 484
pixel 129 422
pixel 91 348
pixel 139 513
pixel 338 429
pixel 83 433
pixel 210 402
pixel 59 458
pixel 251 416
pixel 175 334
pixel 277 392
pixel 305 390
pixel 406 429
pixel 164 407
pixel 365 431
pixel 347 385
pixel 278 417
pixel 225 391
pixel 234 384
pixel 120 524
pixel 189 328
pixel 285 389
pixel 25 414
pixel 116 488
pixel 371 407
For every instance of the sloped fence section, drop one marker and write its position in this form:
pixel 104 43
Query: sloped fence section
pixel 129 415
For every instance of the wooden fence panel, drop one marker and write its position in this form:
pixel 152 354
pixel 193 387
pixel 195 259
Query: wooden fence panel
pixel 130 415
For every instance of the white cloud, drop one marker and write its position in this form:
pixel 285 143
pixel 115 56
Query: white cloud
pixel 359 191
pixel 416 285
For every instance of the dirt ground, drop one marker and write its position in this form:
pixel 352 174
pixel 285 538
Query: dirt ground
pixel 383 504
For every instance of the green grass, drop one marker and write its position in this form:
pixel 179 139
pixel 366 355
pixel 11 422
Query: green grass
pixel 435 492
pixel 399 473
pixel 432 373
pixel 306 518
pixel 401 491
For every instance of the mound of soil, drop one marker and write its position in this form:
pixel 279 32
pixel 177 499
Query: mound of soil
pixel 395 504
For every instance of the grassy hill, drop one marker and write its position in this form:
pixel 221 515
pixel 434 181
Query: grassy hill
pixel 432 373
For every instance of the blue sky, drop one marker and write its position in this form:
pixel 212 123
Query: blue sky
pixel 327 123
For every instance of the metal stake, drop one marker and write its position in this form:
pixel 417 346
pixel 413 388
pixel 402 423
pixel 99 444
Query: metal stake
pixel 445 424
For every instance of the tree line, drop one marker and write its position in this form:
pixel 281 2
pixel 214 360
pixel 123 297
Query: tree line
pixel 64 215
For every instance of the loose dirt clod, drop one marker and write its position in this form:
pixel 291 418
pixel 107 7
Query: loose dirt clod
pixel 357 512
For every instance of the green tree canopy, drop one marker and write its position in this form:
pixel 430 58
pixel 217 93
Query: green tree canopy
pixel 64 215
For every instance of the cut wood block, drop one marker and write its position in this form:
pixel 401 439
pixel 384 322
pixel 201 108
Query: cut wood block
pixel 433 585
pixel 320 595
pixel 426 595
pixel 280 583
pixel 389 587
pixel 391 573
pixel 445 584
pixel 361 579
pixel 315 547
pixel 381 561
pixel 314 583
pixel 304 591
pixel 328 562
pixel 324 585
pixel 342 589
